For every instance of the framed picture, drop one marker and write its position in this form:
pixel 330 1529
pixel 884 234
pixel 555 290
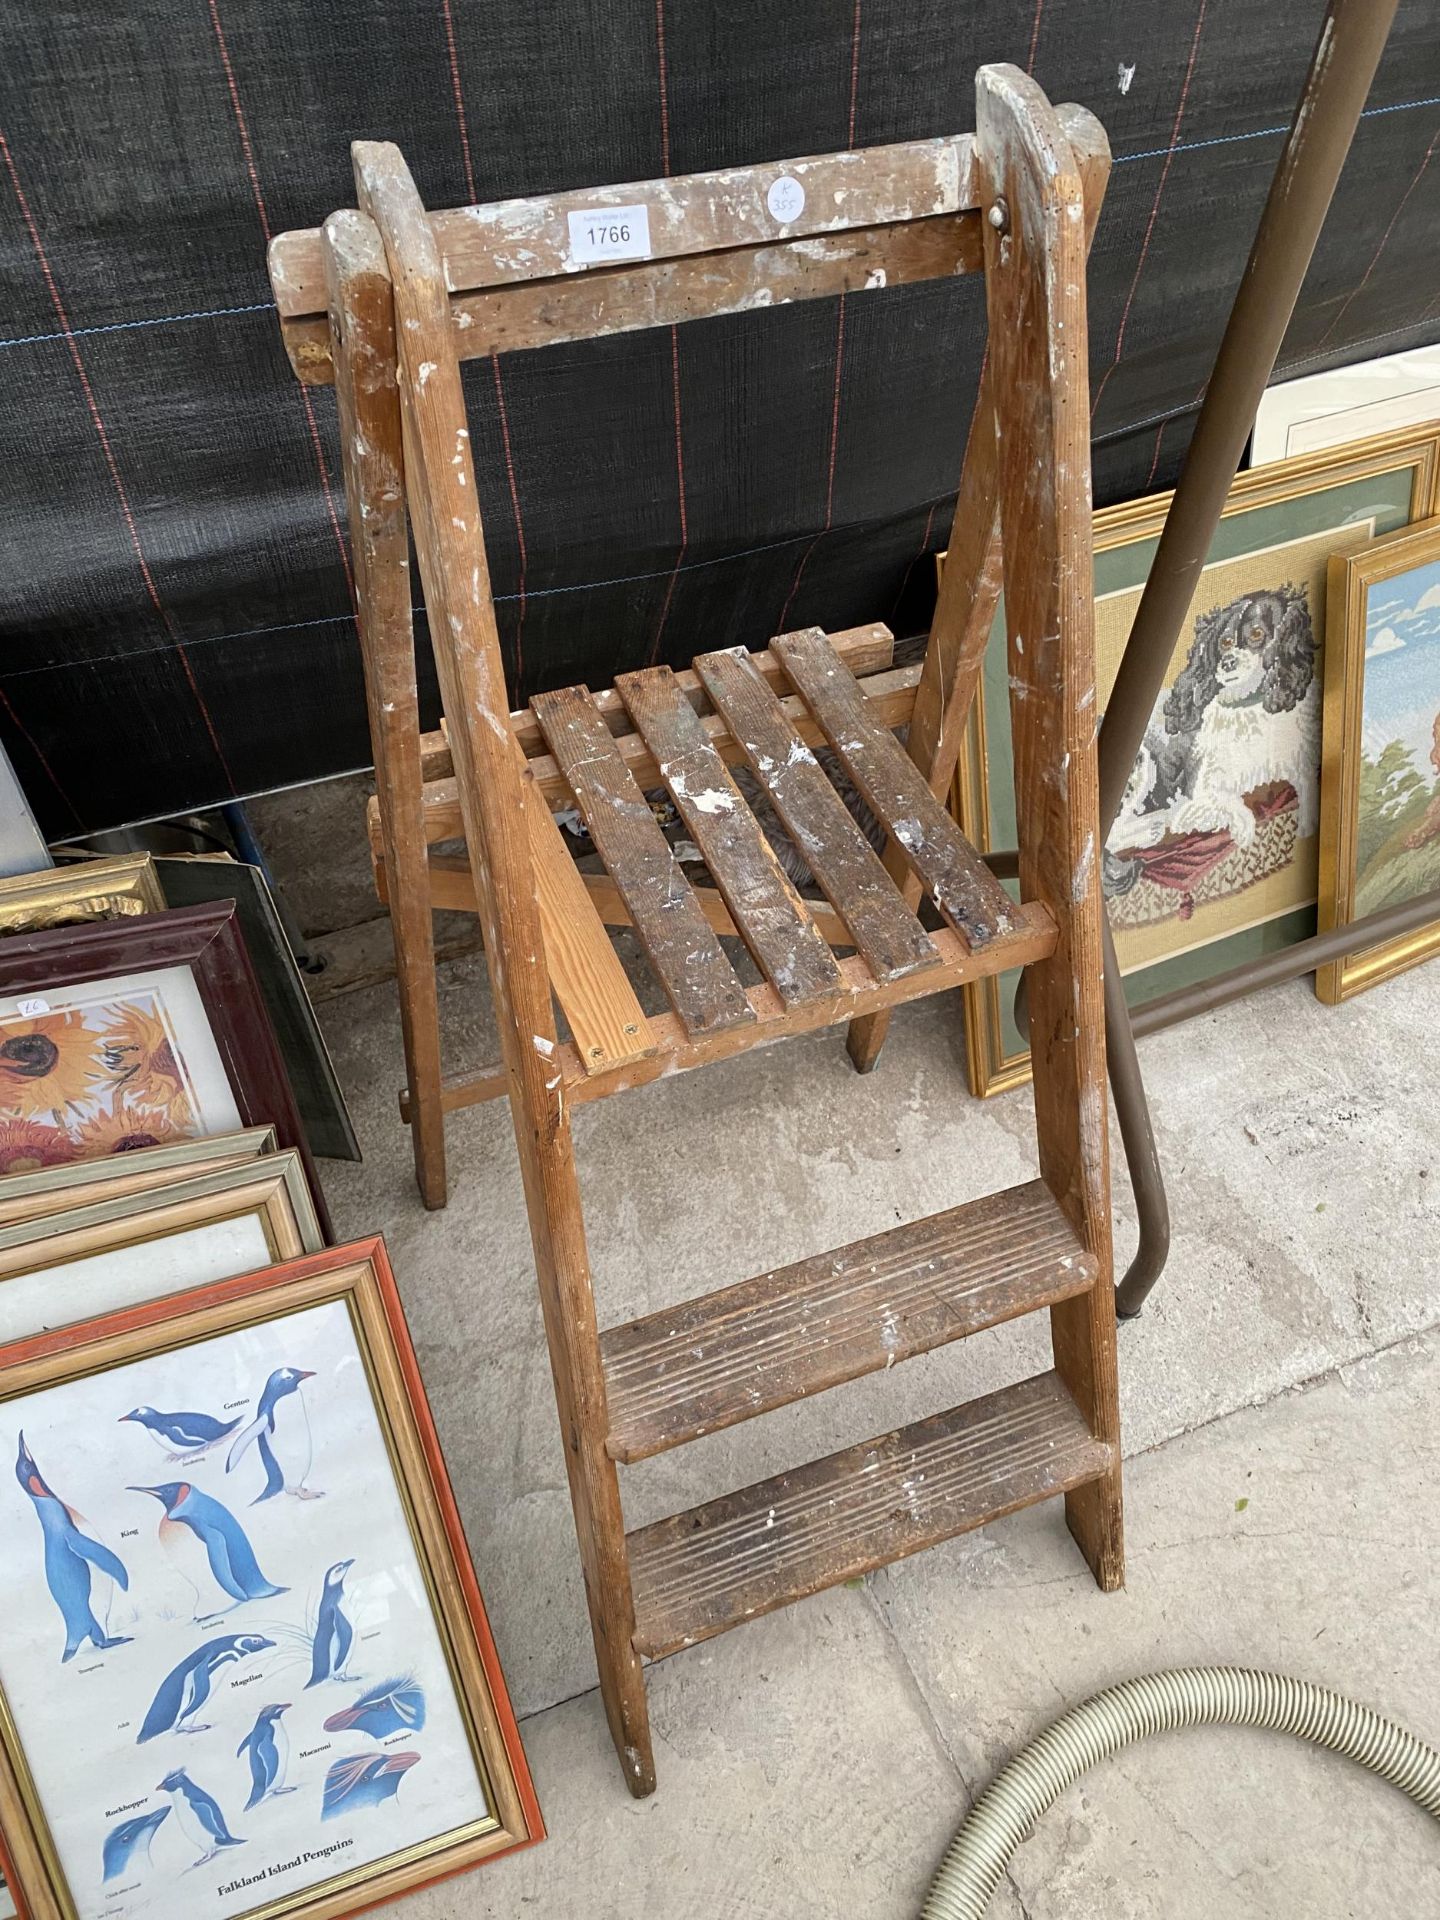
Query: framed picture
pixel 1380 790
pixel 188 881
pixel 256 1679
pixel 1395 391
pixel 71 1266
pixel 134 1033
pixel 79 1183
pixel 78 892
pixel 1214 859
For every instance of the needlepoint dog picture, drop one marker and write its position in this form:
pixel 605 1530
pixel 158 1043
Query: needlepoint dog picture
pixel 1219 829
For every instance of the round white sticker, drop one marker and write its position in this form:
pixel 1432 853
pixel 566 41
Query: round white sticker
pixel 786 199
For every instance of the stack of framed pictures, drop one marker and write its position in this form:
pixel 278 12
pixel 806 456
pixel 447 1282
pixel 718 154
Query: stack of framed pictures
pixel 1217 856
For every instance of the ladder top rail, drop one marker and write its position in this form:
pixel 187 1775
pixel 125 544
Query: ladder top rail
pixel 554 235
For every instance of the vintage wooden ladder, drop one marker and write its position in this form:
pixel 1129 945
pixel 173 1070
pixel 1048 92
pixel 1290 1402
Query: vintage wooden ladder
pixel 385 302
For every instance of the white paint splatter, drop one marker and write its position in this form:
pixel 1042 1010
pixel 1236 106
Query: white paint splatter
pixel 427 367
pixel 1127 74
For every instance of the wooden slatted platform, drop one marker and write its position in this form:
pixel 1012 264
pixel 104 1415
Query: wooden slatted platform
pixel 700 1572
pixel 748 1349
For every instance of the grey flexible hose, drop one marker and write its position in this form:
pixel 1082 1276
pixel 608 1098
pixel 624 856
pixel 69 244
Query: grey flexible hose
pixel 1156 1703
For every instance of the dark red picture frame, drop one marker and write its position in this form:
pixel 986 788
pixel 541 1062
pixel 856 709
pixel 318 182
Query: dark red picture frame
pixel 208 941
pixel 274 1279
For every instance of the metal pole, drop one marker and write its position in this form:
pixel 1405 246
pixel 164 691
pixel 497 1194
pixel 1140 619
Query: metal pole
pixel 1347 53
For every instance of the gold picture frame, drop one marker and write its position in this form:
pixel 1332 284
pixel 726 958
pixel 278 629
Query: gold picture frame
pixel 58 1269
pixel 80 891
pixel 1378 842
pixel 80 1183
pixel 1391 480
pixel 329 1310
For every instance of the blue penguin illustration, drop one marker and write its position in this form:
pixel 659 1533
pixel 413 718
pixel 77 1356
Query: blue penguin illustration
pixel 69 1555
pixel 186 1688
pixel 364 1780
pixel 268 1745
pixel 232 1559
pixel 392 1707
pixel 333 1632
pixel 280 1434
pixel 122 1843
pixel 198 1816
pixel 177 1433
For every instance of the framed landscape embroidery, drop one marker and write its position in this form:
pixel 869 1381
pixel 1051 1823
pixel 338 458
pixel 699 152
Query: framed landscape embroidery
pixel 120 1036
pixel 1214 859
pixel 244 1665
pixel 1380 820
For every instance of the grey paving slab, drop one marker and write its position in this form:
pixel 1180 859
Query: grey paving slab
pixel 1301 1536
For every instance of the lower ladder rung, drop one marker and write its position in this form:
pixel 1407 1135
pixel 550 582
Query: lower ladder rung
pixel 746 1553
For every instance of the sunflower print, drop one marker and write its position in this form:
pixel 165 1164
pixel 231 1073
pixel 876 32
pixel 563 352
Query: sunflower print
pixel 139 1063
pixel 25 1147
pixel 123 1131
pixel 48 1064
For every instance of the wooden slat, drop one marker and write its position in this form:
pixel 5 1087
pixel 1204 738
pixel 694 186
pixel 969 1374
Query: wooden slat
pixel 816 818
pixel 515 240
pixel 689 961
pixel 891 694
pixel 709 1363
pixel 747 1553
pixel 657 293
pixel 765 907
pixel 958 881
pixel 606 1020
pixel 860 993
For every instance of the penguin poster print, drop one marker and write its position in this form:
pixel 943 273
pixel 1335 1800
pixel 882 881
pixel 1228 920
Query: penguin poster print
pixel 240 1644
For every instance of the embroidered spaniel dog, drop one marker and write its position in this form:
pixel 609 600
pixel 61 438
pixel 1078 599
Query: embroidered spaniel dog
pixel 1248 707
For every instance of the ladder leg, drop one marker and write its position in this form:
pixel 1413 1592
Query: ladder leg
pixel 969 587
pixel 363 326
pixel 495 794
pixel 1035 287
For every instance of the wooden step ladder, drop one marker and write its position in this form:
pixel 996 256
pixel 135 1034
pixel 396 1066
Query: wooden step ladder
pixel 385 302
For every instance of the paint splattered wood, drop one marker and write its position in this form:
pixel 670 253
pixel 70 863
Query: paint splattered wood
pixel 689 961
pixel 1035 293
pixel 860 992
pixel 699 1573
pixel 891 694
pixel 494 799
pixel 363 317
pixel 816 818
pixel 542 313
pixel 958 881
pixel 969 592
pixel 865 650
pixel 606 1020
pixel 764 906
pixel 734 1355
pixel 536 238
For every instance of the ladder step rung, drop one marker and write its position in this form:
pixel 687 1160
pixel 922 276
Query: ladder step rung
pixel 750 1348
pixel 701 1572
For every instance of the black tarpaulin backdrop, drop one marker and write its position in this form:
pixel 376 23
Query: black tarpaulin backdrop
pixel 175 593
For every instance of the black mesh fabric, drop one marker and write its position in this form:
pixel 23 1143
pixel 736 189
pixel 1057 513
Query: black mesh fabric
pixel 175 595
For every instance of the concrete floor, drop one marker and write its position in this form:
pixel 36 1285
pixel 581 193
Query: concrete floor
pixel 1280 1407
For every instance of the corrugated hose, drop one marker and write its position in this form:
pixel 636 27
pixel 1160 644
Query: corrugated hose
pixel 1006 1812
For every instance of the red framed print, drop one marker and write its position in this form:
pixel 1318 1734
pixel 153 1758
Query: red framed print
pixel 129 1033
